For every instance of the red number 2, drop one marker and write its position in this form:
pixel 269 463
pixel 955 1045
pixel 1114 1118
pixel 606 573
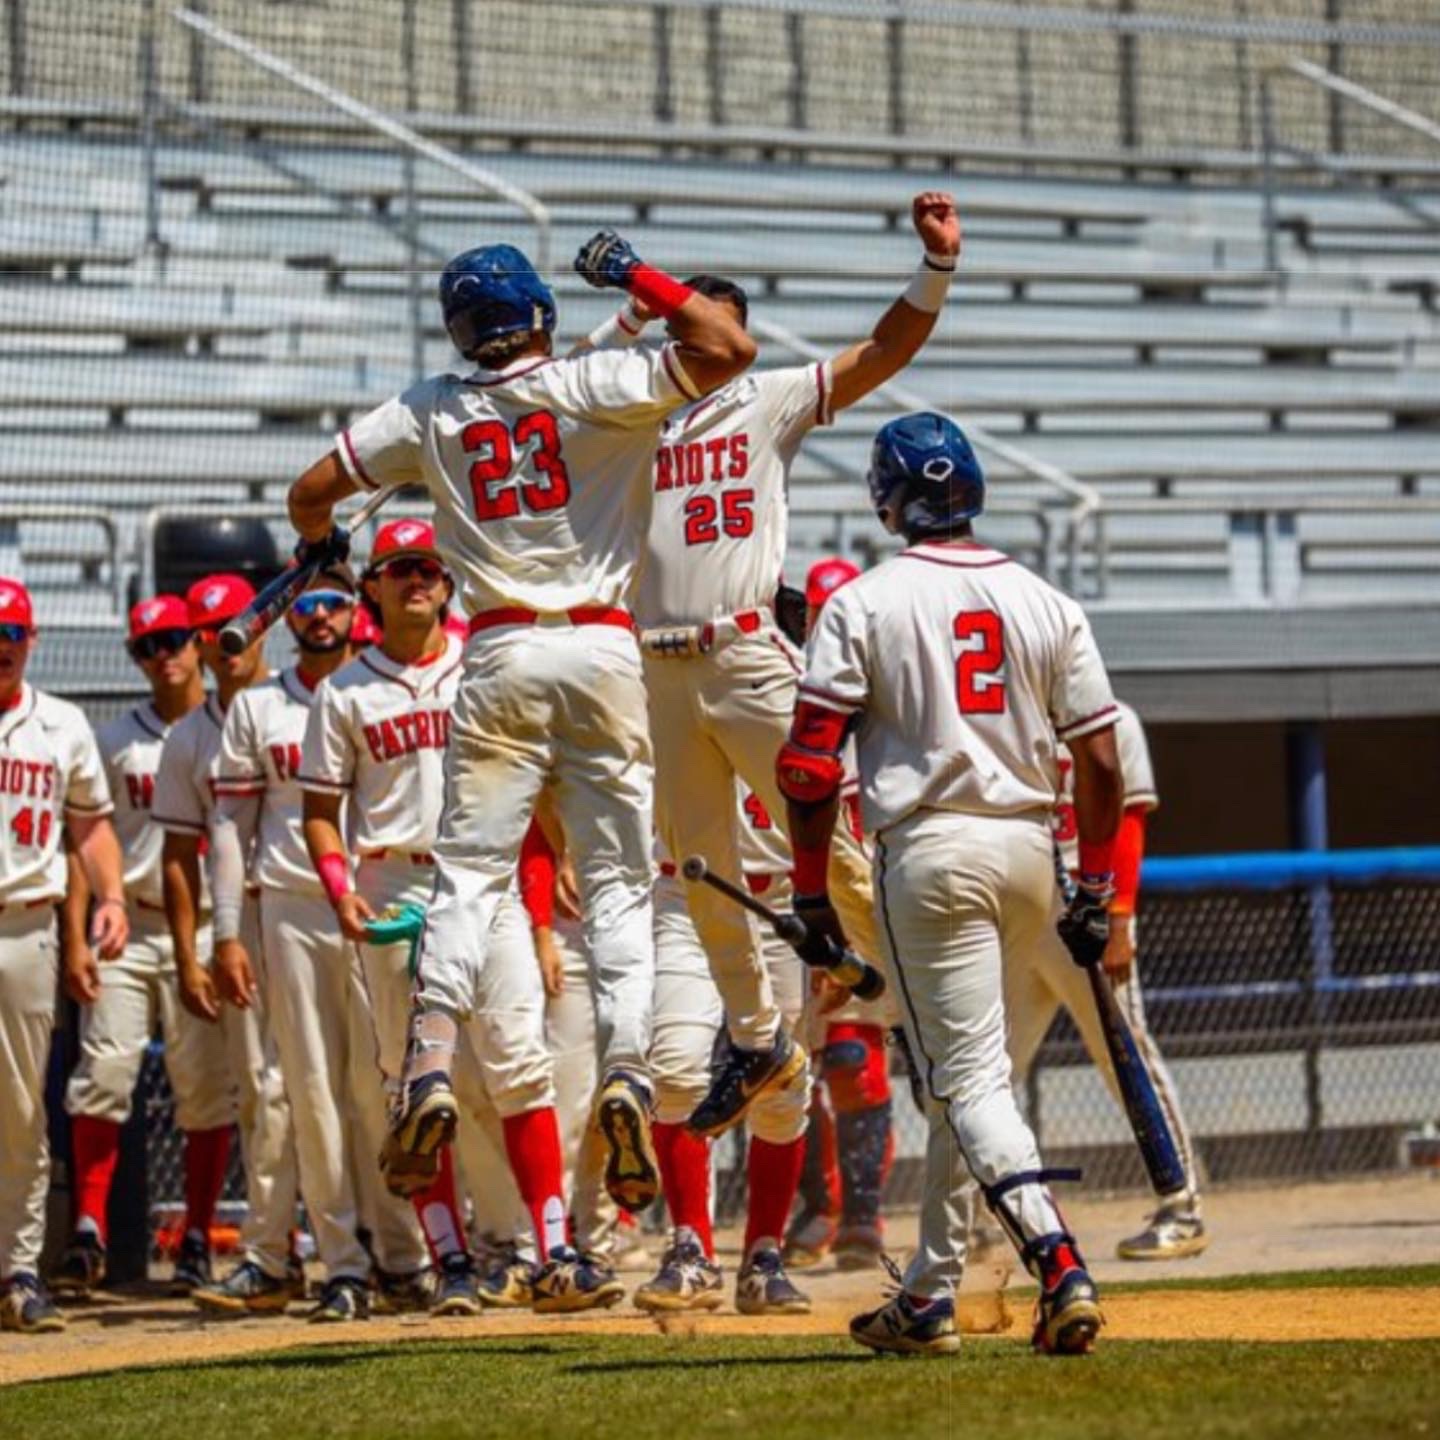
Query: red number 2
pixel 736 512
pixel 498 461
pixel 979 686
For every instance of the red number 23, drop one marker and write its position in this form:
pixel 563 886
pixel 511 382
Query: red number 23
pixel 498 444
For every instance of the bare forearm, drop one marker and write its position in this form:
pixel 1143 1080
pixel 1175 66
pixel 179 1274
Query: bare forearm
pixel 180 876
pixel 99 853
pixel 315 494
pixel 75 908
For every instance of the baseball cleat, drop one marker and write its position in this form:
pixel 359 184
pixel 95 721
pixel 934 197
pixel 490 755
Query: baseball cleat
pixel 744 1076
pixel 192 1265
pixel 632 1170
pixel 809 1240
pixel 571 1281
pixel 858 1247
pixel 25 1305
pixel 507 1282
pixel 687 1279
pixel 1175 1232
pixel 428 1115
pixel 908 1325
pixel 1067 1314
pixel 344 1298
pixel 763 1287
pixel 458 1291
pixel 402 1294
pixel 82 1267
pixel 246 1290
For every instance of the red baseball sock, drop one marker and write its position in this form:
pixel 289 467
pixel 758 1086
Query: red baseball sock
pixel 95 1145
pixel 685 1173
pixel 207 1153
pixel 773 1176
pixel 439 1211
pixel 532 1142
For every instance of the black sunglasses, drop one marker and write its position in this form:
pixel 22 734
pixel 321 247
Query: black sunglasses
pixel 402 569
pixel 160 642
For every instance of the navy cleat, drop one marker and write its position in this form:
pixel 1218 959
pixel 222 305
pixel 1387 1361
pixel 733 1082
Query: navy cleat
pixel 458 1291
pixel 26 1306
pixel 246 1290
pixel 908 1325
pixel 342 1299
pixel 571 1281
pixel 632 1169
pixel 743 1077
pixel 192 1265
pixel 82 1267
pixel 763 1287
pixel 1067 1314
pixel 409 1159
pixel 687 1279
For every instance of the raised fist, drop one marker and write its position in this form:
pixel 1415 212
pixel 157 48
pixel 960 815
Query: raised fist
pixel 937 222
pixel 606 259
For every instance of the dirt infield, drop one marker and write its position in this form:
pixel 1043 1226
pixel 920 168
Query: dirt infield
pixel 1394 1222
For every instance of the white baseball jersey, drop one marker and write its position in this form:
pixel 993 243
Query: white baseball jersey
pixel 963 668
pixel 378 731
pixel 50 767
pixel 260 749
pixel 538 471
pixel 1136 775
pixel 130 748
pixel 189 763
pixel 718 518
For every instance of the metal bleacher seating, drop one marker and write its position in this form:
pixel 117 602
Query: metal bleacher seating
pixel 1126 331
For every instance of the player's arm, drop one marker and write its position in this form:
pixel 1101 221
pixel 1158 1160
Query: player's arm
pixel 180 881
pixel 907 324
pixel 711 345
pixel 98 852
pixel 1099 796
pixel 232 829
pixel 327 854
pixel 82 974
pixel 1129 852
pixel 314 496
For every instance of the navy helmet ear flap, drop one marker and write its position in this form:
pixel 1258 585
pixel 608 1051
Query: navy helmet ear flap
pixel 493 291
pixel 924 476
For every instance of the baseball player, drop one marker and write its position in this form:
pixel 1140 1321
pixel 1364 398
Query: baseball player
pixel 268 1276
pixel 956 669
pixel 52 781
pixel 122 1002
pixel 721 677
pixel 539 469
pixel 376 739
pixel 1041 981
pixel 688 1016
pixel 315 1004
pixel 849 1144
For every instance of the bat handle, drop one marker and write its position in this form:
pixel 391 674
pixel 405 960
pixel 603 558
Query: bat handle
pixel 843 966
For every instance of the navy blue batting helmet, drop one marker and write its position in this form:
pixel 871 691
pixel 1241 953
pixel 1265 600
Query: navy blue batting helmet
pixel 490 292
pixel 924 478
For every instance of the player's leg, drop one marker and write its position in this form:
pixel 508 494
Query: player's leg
pixel 307 1004
pixel 500 751
pixel 778 1121
pixel 114 1032
pixel 268 1276
pixel 604 790
pixel 29 969
pixel 688 1016
pixel 942 925
pixel 205 1112
pixel 856 1067
pixel 812 1229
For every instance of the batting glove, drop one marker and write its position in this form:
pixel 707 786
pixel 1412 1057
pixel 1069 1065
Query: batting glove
pixel 1085 925
pixel 606 260
pixel 824 936
pixel 334 549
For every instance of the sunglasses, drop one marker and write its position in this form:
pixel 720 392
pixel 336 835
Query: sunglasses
pixel 409 566
pixel 160 642
pixel 15 633
pixel 312 602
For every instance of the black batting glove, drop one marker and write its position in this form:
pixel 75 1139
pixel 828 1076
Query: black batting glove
pixel 1085 925
pixel 790 614
pixel 824 935
pixel 606 260
pixel 334 549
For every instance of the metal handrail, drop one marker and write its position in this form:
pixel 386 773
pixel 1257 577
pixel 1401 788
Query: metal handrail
pixel 1086 502
pixel 381 122
pixel 13 514
pixel 1338 85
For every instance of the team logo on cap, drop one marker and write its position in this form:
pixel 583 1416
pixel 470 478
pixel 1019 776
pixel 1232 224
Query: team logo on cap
pixel 942 467
pixel 408 531
pixel 150 612
pixel 213 597
pixel 7 598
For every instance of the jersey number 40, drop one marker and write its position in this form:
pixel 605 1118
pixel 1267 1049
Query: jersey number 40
pixel 979 686
pixel 497 445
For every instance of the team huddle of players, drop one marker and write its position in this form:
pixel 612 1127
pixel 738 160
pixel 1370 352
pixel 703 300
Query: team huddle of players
pixel 416 897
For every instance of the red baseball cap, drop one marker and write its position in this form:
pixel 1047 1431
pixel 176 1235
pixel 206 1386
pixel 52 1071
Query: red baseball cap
pixel 162 612
pixel 216 599
pixel 403 537
pixel 15 608
pixel 826 577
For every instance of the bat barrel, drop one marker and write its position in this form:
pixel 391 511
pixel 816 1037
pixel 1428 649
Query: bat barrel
pixel 235 638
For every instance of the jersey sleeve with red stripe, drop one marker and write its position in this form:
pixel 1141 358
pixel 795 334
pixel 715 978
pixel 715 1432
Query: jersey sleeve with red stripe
pixel 1081 701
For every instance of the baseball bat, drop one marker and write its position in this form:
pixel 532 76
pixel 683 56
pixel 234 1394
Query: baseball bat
pixel 844 966
pixel 278 596
pixel 1152 1131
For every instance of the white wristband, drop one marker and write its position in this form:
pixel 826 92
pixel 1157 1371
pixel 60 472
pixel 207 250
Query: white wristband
pixel 931 283
pixel 621 330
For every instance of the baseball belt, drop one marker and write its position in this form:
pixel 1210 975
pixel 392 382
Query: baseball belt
pixel 685 642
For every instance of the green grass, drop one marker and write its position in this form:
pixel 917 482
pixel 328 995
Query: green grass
pixel 751 1389
pixel 1377 1277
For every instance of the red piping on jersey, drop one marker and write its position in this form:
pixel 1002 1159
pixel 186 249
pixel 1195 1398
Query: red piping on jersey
pixel 1063 730
pixel 821 408
pixel 360 470
pixel 504 375
pixel 957 563
pixel 581 615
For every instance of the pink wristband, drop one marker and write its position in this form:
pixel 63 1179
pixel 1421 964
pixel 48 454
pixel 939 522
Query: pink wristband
pixel 334 876
pixel 659 292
